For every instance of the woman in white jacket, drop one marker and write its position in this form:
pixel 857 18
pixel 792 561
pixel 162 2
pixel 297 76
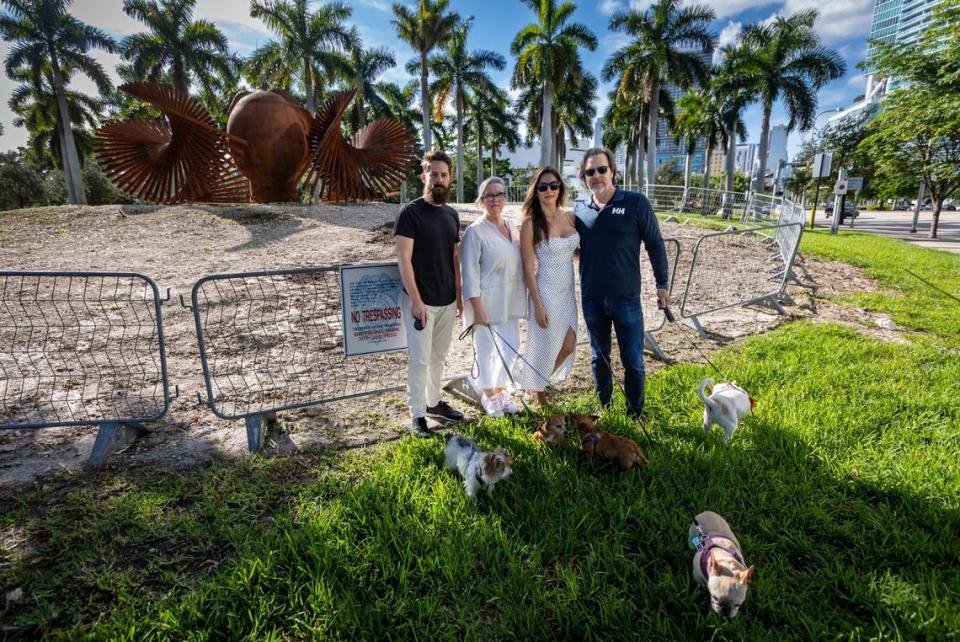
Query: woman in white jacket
pixel 492 273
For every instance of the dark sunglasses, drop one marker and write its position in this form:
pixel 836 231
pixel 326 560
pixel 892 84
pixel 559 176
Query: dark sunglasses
pixel 552 185
pixel 599 170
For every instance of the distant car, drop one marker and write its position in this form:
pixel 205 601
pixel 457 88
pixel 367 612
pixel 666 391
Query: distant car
pixel 849 211
pixel 902 205
pixel 949 207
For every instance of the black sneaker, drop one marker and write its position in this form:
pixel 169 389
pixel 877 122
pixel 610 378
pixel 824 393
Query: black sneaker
pixel 419 428
pixel 444 411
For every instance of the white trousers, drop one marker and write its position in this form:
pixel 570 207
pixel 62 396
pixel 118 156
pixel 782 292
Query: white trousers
pixel 492 372
pixel 426 350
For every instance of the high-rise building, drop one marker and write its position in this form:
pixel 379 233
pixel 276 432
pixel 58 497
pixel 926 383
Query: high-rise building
pixel 894 22
pixel 670 149
pixel 746 155
pixel 598 132
pixel 776 146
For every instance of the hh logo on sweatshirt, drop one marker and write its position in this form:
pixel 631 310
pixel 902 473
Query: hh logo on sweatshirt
pixel 619 210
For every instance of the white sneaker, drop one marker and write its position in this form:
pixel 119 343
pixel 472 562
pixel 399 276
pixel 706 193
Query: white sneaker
pixel 508 404
pixel 491 405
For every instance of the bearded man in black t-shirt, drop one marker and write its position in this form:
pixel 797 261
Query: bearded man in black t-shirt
pixel 427 236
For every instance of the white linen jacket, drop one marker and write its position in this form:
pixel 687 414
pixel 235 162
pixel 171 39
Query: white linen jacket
pixel 491 268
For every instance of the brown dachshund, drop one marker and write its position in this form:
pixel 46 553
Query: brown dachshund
pixel 553 430
pixel 626 452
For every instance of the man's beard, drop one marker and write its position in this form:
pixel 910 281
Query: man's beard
pixel 436 194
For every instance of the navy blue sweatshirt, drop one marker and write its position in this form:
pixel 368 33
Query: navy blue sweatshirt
pixel 610 246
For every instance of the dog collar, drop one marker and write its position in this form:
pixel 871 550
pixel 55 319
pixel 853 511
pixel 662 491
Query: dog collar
pixel 708 545
pixel 479 478
pixel 594 438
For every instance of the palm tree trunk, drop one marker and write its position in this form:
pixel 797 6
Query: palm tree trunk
pixel 361 112
pixel 708 156
pixel 425 103
pixel 640 165
pixel 493 159
pixel 731 161
pixel 546 124
pixel 628 169
pixel 653 120
pixel 71 166
pixel 704 199
pixel 761 186
pixel 687 163
pixel 308 88
pixel 459 147
pixel 479 163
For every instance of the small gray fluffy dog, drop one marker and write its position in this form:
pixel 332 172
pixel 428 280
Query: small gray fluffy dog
pixel 479 469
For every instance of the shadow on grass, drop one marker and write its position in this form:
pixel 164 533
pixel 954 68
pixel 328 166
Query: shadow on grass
pixel 390 546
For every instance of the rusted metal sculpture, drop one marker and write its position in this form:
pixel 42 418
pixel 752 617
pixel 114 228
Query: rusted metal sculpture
pixel 271 143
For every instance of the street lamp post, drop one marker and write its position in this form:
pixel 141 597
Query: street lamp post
pixel 816 197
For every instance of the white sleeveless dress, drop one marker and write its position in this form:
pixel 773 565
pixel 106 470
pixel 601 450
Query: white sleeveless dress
pixel 556 284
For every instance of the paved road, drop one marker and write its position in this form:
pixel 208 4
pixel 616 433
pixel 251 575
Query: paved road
pixel 897 225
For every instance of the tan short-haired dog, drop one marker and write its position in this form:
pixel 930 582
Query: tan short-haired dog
pixel 718 563
pixel 553 430
pixel 625 452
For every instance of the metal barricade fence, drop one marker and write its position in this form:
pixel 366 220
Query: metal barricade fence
pixel 697 200
pixel 81 348
pixel 711 271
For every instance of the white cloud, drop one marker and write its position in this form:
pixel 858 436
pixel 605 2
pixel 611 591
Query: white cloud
pixel 108 16
pixel 609 7
pixel 727 8
pixel 838 20
pixel 378 5
pixel 728 36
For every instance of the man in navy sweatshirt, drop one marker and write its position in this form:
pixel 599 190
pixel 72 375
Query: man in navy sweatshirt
pixel 612 226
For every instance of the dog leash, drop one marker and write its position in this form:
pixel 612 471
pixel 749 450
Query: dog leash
pixel 672 319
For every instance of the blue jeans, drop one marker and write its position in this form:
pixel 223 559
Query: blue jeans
pixel 626 316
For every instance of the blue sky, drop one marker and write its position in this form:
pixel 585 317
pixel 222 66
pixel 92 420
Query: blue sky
pixel 843 25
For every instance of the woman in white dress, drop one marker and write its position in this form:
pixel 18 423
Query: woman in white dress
pixel 492 274
pixel 548 239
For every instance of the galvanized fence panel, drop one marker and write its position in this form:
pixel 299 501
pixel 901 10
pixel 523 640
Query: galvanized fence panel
pixel 697 200
pixel 714 282
pixel 80 348
pixel 272 341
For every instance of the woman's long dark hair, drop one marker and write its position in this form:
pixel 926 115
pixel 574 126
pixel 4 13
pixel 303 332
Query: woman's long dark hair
pixel 531 204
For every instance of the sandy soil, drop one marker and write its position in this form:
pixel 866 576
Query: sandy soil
pixel 178 245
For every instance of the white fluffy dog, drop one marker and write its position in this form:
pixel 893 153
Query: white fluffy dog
pixel 478 468
pixel 727 404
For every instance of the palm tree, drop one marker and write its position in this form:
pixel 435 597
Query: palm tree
pixel 363 68
pixel 42 32
pixel 667 44
pixel 733 88
pixel 175 45
pixel 788 61
pixel 573 113
pixel 689 128
pixel 36 109
pixel 545 51
pixel 425 28
pixel 310 46
pixel 492 123
pixel 459 72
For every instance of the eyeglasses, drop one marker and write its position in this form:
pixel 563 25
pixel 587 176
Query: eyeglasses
pixel 493 197
pixel 603 169
pixel 552 185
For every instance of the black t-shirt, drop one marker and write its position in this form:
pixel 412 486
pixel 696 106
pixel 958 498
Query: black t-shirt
pixel 435 231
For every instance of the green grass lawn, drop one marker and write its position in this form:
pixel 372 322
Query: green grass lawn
pixel 843 488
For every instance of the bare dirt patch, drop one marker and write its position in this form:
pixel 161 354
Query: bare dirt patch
pixel 178 245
